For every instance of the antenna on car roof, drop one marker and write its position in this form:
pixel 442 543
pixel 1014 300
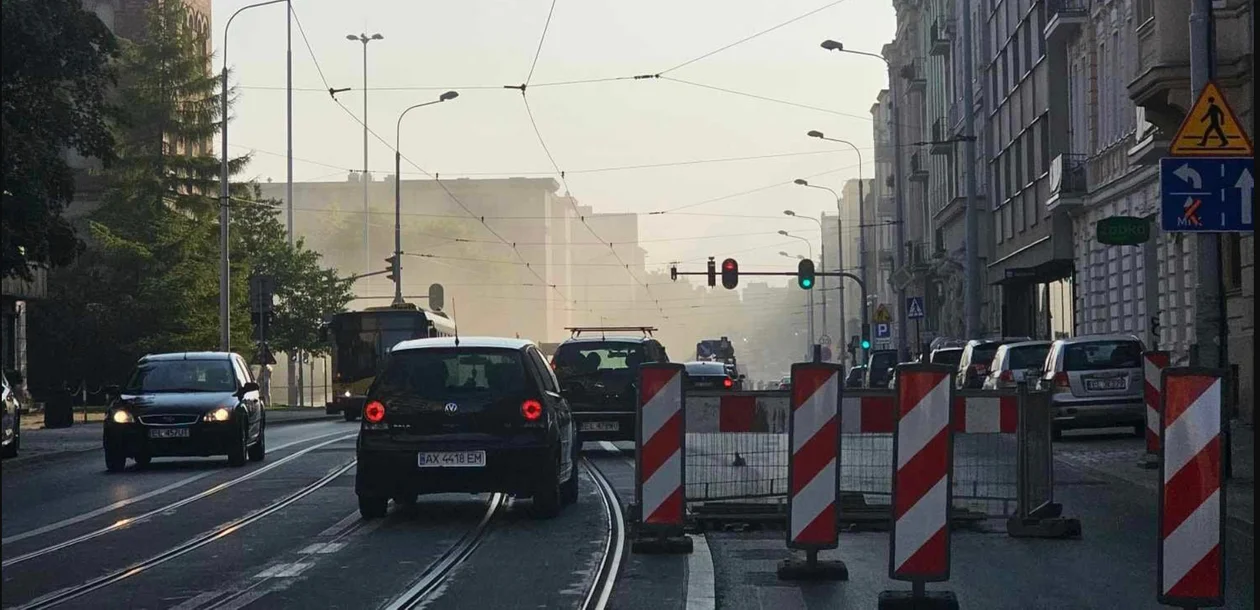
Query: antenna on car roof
pixel 454 321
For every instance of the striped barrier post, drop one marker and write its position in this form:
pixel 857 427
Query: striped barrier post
pixel 922 480
pixel 813 465
pixel 1191 570
pixel 1153 364
pixel 659 481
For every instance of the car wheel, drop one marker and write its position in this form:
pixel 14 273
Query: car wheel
pixel 1139 430
pixel 569 489
pixel 373 507
pixel 236 453
pixel 547 499
pixel 349 414
pixel 258 450
pixel 143 461
pixel 115 459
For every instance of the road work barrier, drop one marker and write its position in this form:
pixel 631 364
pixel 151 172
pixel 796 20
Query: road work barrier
pixel 660 461
pixel 1191 562
pixel 737 446
pixel 919 546
pixel 1153 365
pixel 813 484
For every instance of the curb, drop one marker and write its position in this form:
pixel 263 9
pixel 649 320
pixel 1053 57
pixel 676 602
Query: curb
pixel 1241 525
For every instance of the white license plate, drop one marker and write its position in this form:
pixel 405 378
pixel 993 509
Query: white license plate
pixel 599 426
pixel 451 459
pixel 1105 384
pixel 168 432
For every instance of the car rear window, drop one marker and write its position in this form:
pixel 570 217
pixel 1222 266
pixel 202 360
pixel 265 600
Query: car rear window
pixel 1027 357
pixel 882 361
pixel 1102 355
pixel 949 357
pixel 983 354
pixel 585 358
pixel 441 374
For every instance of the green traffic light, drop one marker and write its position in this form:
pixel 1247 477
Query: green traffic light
pixel 806 283
pixel 866 344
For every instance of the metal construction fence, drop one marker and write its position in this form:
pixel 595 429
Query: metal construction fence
pixel 737 451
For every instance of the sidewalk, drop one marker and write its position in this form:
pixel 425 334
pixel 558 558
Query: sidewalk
pixel 41 444
pixel 1239 490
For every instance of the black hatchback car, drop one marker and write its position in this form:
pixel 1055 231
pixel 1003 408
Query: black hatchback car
pixel 598 375
pixel 186 404
pixel 467 414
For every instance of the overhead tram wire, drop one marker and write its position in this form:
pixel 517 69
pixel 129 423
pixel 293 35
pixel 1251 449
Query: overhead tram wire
pixel 435 177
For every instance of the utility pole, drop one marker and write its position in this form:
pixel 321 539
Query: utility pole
pixel 1207 292
pixel 972 291
pixel 294 372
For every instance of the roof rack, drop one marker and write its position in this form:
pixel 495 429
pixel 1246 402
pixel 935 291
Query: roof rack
pixel 576 331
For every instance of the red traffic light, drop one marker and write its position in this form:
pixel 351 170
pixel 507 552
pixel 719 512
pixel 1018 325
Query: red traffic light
pixel 730 273
pixel 729 264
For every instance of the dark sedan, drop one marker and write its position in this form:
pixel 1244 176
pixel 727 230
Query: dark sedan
pixel 186 404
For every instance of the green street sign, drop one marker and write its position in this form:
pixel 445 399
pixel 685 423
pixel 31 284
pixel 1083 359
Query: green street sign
pixel 1123 231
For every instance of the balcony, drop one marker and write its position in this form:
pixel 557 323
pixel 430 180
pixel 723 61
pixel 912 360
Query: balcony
pixel 913 74
pixel 941 35
pixel 918 255
pixel 1069 191
pixel 918 167
pixel 1150 144
pixel 1065 20
pixel 942 142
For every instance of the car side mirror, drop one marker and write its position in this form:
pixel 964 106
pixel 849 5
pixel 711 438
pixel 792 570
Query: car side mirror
pixel 249 386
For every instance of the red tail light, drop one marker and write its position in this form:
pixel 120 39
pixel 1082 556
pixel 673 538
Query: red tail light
pixel 531 410
pixel 374 412
pixel 727 383
pixel 552 362
pixel 1007 376
pixel 1061 380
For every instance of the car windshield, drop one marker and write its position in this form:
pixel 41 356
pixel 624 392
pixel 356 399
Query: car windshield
pixel 182 376
pixel 587 358
pixel 1102 355
pixel 883 361
pixel 442 374
pixel 1027 357
pixel 949 357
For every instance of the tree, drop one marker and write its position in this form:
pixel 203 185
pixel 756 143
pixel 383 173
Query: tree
pixel 56 71
pixel 306 292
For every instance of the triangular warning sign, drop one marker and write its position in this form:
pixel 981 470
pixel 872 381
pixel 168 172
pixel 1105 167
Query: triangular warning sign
pixel 1211 129
pixel 881 315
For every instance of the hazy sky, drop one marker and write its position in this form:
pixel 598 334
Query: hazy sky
pixel 477 46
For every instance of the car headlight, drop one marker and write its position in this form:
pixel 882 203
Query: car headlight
pixel 121 416
pixel 218 415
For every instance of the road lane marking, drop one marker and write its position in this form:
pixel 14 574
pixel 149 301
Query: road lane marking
pixel 122 523
pixel 145 496
pixel 701 585
pixel 610 565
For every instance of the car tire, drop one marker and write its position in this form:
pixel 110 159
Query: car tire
pixel 115 459
pixel 237 452
pixel 569 490
pixel 548 498
pixel 349 415
pixel 1139 430
pixel 143 461
pixel 258 451
pixel 373 507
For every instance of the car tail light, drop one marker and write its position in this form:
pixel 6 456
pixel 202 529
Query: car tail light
pixel 374 412
pixel 1061 380
pixel 1006 376
pixel 531 410
pixel 727 383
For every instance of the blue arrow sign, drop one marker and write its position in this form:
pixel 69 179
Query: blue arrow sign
pixel 1206 195
pixel 914 308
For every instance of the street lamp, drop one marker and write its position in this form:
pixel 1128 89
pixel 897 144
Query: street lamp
pixel 809 296
pixel 832 45
pixel 225 280
pixel 449 95
pixel 822 264
pixel 367 216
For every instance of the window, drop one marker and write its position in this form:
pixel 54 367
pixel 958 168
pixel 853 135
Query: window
pixel 1145 10
pixel 544 371
pixel 1102 355
pixel 1016 73
pixel 445 374
pixel 1231 260
pixel 182 376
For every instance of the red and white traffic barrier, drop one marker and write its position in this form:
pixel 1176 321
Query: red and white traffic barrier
pixel 813 481
pixel 1153 365
pixel 922 474
pixel 735 413
pixel 659 484
pixel 1191 507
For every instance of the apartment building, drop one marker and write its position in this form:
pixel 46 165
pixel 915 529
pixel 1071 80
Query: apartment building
pixel 883 210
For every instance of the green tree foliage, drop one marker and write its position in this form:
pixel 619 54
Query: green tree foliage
pixel 305 291
pixel 56 70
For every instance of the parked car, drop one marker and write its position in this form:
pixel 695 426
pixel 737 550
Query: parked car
pixel 977 355
pixel 855 376
pixel 879 366
pixel 186 404
pixel 11 428
pixel 473 414
pixel 1096 381
pixel 948 356
pixel 785 382
pixel 1016 363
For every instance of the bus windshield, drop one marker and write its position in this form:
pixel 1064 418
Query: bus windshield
pixel 361 339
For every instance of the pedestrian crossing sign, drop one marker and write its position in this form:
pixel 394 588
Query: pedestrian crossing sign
pixel 1211 129
pixel 881 314
pixel 914 308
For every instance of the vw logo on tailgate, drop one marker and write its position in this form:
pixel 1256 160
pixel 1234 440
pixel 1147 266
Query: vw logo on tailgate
pixel 451 408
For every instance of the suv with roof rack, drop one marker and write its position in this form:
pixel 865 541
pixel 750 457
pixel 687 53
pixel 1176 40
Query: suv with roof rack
pixel 598 369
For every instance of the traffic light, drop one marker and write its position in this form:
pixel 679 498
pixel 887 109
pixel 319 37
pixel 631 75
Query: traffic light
pixel 673 272
pixel 866 339
pixel 805 274
pixel 712 273
pixel 392 261
pixel 730 273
